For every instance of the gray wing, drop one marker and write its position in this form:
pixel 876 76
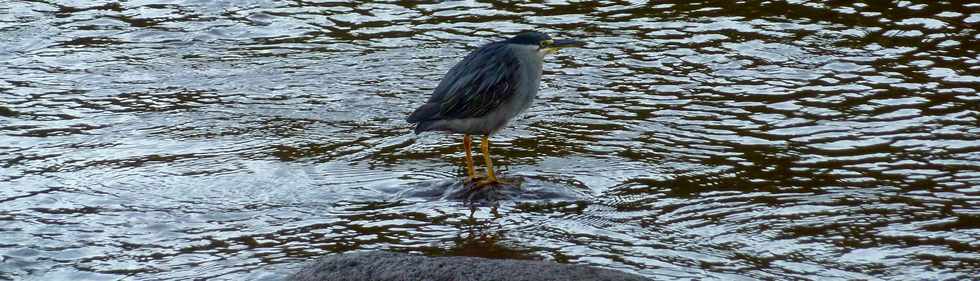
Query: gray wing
pixel 478 84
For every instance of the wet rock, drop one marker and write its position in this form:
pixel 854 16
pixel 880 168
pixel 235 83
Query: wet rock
pixel 382 266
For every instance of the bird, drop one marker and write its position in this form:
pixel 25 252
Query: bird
pixel 484 91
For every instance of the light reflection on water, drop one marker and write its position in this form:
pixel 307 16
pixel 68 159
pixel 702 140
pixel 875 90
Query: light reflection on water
pixel 716 140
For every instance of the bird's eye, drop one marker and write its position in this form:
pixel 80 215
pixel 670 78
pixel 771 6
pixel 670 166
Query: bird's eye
pixel 547 43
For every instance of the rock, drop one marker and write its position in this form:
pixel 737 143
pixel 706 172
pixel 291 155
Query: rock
pixel 387 266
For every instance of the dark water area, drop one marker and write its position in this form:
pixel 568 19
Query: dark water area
pixel 711 140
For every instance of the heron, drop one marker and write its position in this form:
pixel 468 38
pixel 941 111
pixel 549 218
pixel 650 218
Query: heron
pixel 485 91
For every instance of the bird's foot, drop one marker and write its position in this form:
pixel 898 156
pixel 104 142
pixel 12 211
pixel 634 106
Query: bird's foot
pixel 483 182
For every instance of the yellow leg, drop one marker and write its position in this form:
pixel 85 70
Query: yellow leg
pixel 485 145
pixel 468 146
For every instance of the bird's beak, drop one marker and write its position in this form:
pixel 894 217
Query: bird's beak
pixel 566 43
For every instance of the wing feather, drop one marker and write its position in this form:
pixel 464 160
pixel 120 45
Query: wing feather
pixel 479 83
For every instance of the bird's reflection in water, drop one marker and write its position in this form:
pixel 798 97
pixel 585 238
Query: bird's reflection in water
pixel 511 188
pixel 480 237
pixel 481 232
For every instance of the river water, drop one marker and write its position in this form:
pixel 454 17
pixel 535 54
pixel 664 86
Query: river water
pixel 727 140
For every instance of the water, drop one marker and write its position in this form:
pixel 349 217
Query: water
pixel 236 140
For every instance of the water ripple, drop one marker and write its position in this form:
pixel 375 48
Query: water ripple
pixel 226 140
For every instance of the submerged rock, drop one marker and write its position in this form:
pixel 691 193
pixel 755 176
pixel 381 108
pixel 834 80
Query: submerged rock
pixel 384 266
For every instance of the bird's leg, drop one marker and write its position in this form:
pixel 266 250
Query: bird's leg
pixel 485 145
pixel 468 146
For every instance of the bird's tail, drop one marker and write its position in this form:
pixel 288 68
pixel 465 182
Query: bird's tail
pixel 425 126
pixel 425 117
pixel 427 111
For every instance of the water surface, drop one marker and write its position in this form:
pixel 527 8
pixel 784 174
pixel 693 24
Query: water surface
pixel 714 140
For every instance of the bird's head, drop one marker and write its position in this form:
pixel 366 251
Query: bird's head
pixel 543 42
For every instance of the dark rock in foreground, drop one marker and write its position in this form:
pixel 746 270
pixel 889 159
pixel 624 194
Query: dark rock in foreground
pixel 383 266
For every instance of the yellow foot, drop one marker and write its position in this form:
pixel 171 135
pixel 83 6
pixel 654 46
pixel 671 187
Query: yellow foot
pixel 473 179
pixel 485 182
